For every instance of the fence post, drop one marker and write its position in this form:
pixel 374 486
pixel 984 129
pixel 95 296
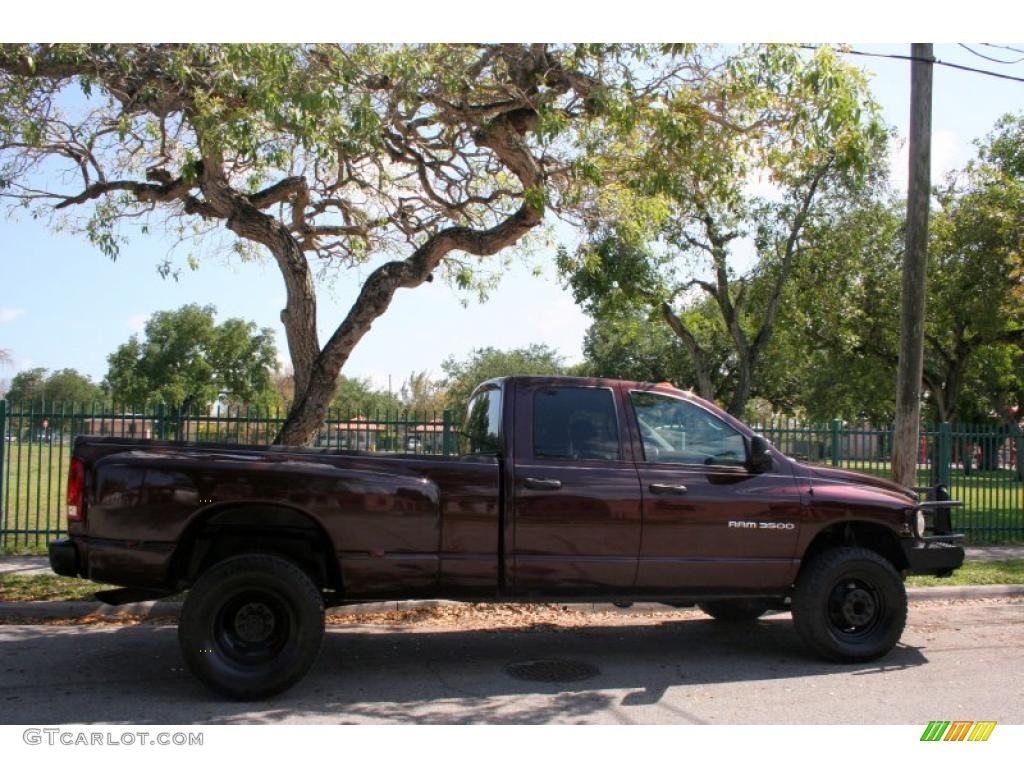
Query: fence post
pixel 446 432
pixel 945 454
pixel 836 448
pixel 3 457
pixel 161 425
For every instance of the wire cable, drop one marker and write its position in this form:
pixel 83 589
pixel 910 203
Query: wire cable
pixel 990 58
pixel 933 60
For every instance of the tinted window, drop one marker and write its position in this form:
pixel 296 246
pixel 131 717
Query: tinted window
pixel 678 431
pixel 574 423
pixel 483 423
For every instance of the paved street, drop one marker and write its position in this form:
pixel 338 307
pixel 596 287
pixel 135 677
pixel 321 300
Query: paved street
pixel 961 661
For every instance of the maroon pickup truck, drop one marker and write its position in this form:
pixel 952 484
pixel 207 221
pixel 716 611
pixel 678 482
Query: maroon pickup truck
pixel 564 489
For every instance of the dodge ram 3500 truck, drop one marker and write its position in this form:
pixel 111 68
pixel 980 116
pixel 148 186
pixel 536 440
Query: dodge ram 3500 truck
pixel 563 489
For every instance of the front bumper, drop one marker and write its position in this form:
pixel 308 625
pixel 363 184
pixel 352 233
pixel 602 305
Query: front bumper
pixel 63 557
pixel 932 558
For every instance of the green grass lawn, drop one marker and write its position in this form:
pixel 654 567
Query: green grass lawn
pixel 17 589
pixel 976 573
pixel 33 495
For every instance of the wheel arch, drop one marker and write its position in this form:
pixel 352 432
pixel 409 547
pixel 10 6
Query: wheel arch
pixel 858 533
pixel 221 532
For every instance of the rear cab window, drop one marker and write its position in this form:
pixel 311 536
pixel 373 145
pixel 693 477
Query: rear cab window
pixel 574 423
pixel 481 430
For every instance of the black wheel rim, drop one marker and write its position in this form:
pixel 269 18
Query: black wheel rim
pixel 855 609
pixel 252 627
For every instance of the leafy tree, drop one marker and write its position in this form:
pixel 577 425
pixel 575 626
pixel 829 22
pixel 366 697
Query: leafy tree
pixel 187 360
pixel 358 397
pixel 667 243
pixel 69 386
pixel 409 159
pixel 64 386
pixel 974 325
pixel 630 345
pixel 462 376
pixel 28 387
pixel 423 395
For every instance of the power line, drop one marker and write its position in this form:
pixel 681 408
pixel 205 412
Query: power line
pixel 1004 47
pixel 990 58
pixel 935 61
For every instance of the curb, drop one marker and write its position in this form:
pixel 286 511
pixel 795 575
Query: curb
pixel 59 609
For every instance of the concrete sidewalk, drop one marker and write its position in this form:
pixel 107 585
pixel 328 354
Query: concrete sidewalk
pixel 32 565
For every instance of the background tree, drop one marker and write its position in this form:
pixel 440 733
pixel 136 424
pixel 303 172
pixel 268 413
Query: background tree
pixel 423 395
pixel 358 397
pixel 186 360
pixel 628 344
pixel 28 387
pixel 462 376
pixel 689 199
pixel 37 386
pixel 419 158
pixel 848 293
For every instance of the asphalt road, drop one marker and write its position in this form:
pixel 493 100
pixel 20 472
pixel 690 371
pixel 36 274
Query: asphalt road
pixel 957 661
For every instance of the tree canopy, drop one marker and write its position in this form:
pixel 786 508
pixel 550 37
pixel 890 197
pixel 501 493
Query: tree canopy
pixel 688 197
pixel 187 360
pixel 38 385
pixel 462 376
pixel 404 160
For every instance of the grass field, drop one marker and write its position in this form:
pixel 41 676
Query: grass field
pixel 33 494
pixel 35 475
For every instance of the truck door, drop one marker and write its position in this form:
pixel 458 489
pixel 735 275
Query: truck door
pixel 710 523
pixel 576 493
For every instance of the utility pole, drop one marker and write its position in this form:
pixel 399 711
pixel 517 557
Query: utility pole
pixel 915 269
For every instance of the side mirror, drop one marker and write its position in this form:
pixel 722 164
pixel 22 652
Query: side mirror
pixel 760 455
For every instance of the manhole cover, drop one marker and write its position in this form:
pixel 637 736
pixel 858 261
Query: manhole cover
pixel 551 670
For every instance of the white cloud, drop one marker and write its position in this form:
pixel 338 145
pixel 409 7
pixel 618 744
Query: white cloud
pixel 7 314
pixel 137 323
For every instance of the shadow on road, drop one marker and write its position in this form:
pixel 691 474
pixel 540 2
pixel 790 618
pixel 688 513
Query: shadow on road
pixel 134 674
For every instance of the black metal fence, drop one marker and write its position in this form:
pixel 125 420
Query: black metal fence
pixel 35 449
pixel 981 465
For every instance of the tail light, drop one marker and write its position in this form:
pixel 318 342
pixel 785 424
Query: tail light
pixel 76 491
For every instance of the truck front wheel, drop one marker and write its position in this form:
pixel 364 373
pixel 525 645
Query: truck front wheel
pixel 850 605
pixel 251 626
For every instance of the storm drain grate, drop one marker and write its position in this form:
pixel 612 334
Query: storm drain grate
pixel 552 670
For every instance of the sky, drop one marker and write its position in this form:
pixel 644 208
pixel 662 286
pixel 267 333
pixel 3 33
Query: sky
pixel 65 305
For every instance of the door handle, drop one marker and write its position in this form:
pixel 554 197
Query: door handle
pixel 542 483
pixel 667 488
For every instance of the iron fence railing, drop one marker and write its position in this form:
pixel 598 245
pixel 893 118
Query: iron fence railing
pixel 35 449
pixel 980 464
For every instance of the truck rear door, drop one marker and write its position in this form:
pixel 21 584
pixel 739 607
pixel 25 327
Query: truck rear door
pixel 576 502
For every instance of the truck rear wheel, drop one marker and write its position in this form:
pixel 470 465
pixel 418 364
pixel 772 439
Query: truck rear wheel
pixel 850 605
pixel 735 610
pixel 251 626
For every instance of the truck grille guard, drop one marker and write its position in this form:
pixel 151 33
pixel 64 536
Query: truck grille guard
pixel 936 509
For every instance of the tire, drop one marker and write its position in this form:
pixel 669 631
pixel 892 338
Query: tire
pixel 850 605
pixel 735 610
pixel 251 626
